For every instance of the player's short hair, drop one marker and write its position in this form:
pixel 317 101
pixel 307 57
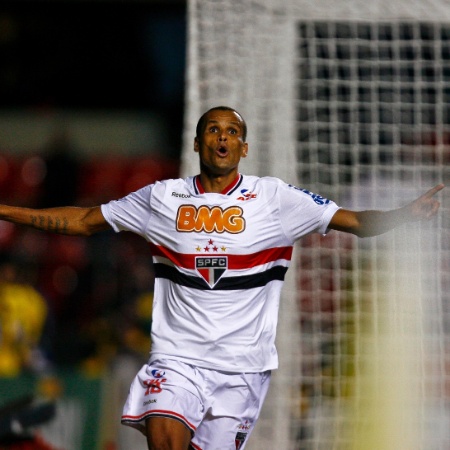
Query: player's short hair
pixel 201 124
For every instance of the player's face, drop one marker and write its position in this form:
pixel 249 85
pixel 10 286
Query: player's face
pixel 221 145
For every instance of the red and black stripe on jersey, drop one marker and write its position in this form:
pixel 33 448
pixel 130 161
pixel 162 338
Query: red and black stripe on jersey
pixel 235 262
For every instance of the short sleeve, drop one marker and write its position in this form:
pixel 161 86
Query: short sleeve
pixel 130 213
pixel 304 212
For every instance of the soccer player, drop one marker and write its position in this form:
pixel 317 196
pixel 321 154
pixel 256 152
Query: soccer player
pixel 221 244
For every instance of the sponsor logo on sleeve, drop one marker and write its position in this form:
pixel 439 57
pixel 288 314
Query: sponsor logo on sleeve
pixel 317 198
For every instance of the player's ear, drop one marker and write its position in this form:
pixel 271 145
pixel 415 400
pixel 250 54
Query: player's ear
pixel 196 145
pixel 245 150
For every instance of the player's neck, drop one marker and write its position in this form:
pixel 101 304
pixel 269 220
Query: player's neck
pixel 217 184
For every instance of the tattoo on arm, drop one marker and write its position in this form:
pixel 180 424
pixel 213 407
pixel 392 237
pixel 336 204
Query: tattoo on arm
pixel 58 225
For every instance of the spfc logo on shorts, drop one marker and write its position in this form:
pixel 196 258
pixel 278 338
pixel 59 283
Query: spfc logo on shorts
pixel 211 268
pixel 239 439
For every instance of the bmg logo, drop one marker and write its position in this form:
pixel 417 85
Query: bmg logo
pixel 195 220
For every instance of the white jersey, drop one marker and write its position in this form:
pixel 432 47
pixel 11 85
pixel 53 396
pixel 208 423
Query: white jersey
pixel 220 261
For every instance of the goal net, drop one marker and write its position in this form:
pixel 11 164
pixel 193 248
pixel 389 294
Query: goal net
pixel 350 100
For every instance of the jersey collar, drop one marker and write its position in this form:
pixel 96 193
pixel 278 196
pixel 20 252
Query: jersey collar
pixel 227 191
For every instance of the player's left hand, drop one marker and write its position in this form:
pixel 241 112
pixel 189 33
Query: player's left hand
pixel 426 206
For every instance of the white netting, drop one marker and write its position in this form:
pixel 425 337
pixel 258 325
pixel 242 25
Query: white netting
pixel 349 99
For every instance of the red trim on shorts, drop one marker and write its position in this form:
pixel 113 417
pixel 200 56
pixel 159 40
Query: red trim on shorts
pixel 160 413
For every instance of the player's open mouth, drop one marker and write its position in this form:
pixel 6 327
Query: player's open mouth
pixel 222 151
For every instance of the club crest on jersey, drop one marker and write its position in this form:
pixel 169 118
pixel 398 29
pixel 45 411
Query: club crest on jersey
pixel 211 268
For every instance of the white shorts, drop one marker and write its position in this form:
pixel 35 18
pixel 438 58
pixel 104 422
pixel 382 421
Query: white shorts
pixel 219 408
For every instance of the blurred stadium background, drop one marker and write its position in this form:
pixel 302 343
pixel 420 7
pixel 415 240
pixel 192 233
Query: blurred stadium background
pixel 91 107
pixel 348 99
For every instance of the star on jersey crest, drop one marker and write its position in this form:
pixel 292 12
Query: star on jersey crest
pixel 210 247
pixel 211 264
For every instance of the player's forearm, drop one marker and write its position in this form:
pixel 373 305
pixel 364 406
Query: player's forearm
pixel 370 222
pixel 374 222
pixel 64 220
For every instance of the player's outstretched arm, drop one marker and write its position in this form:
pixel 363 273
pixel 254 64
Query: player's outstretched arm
pixel 372 223
pixel 69 220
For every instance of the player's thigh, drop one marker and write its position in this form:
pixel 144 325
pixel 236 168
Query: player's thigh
pixel 167 434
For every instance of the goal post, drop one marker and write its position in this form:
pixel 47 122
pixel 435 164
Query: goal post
pixel 351 100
